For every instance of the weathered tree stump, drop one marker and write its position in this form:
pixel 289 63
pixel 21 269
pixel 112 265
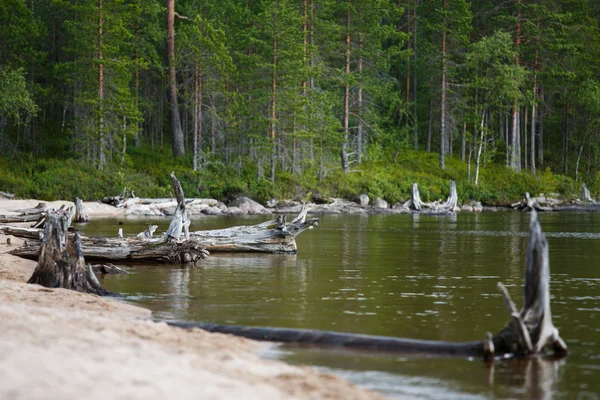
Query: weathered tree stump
pixel 586 196
pixel 449 206
pixel 80 213
pixel 415 201
pixel 61 263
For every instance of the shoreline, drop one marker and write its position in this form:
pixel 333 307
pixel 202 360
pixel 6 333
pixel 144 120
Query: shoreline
pixel 61 344
pixel 148 208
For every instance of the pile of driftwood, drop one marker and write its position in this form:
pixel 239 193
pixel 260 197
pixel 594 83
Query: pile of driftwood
pixel 178 244
pixel 38 214
pixel 437 207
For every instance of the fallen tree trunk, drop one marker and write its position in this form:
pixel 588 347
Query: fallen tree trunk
pixel 61 263
pixel 7 195
pixel 19 218
pixel 528 333
pixel 274 236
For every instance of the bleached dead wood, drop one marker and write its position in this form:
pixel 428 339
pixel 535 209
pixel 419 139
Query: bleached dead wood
pixel 274 236
pixel 7 195
pixel 61 263
pixel 529 204
pixel 586 196
pixel 415 203
pixel 80 213
pixel 124 199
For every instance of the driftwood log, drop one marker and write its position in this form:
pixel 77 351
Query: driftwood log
pixel 61 263
pixel 529 331
pixel 126 197
pixel 7 195
pixel 274 236
pixel 437 207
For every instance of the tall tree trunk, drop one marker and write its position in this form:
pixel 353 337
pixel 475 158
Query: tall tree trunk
pixel 138 128
pixel 176 131
pixel 515 160
pixel 532 128
pixel 540 154
pixel 346 116
pixel 359 129
pixel 463 144
pixel 565 141
pixel 415 116
pixel 101 129
pixel 443 95
pixel 514 147
pixel 197 155
pixel 525 114
pixel 274 96
pixel 482 137
pixel 429 124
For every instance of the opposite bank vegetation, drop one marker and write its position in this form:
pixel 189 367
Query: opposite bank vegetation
pixel 147 175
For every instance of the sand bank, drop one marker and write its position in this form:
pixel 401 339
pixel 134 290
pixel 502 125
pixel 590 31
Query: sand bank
pixel 60 344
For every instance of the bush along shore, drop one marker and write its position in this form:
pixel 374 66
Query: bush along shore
pixel 373 187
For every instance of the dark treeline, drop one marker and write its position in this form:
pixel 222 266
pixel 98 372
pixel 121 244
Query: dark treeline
pixel 290 86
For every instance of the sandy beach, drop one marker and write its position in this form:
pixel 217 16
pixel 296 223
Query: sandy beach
pixel 60 344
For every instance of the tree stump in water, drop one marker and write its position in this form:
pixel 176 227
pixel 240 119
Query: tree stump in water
pixel 61 263
pixel 80 213
pixel 532 329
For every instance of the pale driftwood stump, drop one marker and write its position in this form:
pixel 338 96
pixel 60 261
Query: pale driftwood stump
pixel 449 206
pixel 586 196
pixel 61 263
pixel 80 213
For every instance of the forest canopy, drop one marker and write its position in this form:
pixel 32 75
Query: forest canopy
pixel 275 97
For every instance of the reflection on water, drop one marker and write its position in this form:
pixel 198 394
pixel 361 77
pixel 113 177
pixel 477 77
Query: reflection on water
pixel 416 276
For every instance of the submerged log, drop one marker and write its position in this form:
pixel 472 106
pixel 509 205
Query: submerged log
pixel 529 332
pixel 61 263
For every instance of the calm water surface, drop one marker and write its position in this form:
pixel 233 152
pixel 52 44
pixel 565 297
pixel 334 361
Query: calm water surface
pixel 412 276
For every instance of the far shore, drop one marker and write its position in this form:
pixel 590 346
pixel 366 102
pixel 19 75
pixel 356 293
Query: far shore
pixel 61 344
pixel 197 207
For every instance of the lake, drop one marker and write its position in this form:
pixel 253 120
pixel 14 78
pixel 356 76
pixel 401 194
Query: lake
pixel 412 276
